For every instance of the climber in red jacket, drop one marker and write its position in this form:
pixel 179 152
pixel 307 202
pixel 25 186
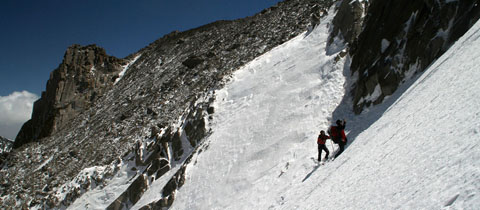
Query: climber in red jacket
pixel 337 134
pixel 322 138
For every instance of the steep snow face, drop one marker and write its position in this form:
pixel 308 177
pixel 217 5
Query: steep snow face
pixel 265 120
pixel 418 150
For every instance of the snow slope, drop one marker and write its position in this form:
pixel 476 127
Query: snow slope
pixel 264 119
pixel 418 150
pixel 266 122
pixel 422 153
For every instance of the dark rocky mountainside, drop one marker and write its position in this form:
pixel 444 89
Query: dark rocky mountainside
pixel 150 121
pixel 85 74
pixel 397 40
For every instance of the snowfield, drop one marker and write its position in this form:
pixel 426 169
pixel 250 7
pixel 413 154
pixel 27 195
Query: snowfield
pixel 417 150
pixel 265 127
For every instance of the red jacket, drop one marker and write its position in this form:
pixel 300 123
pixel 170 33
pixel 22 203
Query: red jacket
pixel 322 139
pixel 336 133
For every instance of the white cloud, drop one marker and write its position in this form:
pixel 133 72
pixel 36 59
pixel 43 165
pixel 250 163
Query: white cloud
pixel 15 109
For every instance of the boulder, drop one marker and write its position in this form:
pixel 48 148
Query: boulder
pixel 192 61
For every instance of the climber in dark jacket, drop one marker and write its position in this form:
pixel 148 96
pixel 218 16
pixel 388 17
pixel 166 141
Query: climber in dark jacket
pixel 322 138
pixel 337 134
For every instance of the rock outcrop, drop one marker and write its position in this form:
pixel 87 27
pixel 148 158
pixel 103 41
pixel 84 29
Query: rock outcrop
pixel 400 38
pixel 348 21
pixel 83 77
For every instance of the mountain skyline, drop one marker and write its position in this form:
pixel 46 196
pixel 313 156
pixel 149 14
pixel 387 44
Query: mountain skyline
pixel 38 33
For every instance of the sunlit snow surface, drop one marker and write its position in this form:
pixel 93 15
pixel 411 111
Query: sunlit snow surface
pixel 418 150
pixel 266 122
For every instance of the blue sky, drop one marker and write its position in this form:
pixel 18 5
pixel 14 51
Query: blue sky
pixel 35 34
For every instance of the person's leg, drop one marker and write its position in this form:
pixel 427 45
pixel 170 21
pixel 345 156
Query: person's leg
pixel 326 151
pixel 319 152
pixel 340 150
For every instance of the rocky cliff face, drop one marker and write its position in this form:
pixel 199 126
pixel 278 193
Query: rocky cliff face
pixel 148 123
pixel 83 77
pixel 348 21
pixel 398 39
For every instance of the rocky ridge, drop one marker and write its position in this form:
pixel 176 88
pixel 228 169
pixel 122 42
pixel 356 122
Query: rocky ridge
pixel 152 119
